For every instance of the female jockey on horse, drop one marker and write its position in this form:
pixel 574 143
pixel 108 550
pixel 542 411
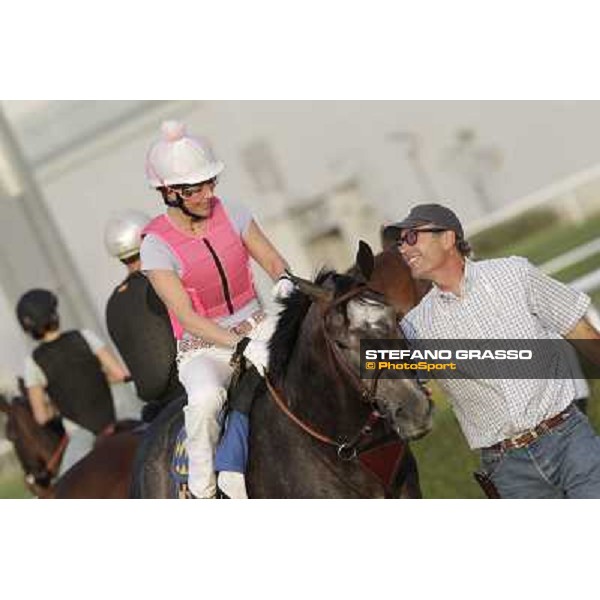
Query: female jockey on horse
pixel 68 372
pixel 197 257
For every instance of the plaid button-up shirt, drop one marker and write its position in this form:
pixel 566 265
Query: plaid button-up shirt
pixel 506 298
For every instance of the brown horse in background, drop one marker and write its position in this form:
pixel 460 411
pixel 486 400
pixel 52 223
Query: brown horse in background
pixel 107 470
pixel 38 449
pixel 392 278
pixel 104 473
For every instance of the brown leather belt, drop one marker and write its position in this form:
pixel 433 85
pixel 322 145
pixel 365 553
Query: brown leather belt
pixel 249 324
pixel 524 439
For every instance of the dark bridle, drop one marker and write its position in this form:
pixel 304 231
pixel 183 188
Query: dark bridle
pixel 39 448
pixel 350 448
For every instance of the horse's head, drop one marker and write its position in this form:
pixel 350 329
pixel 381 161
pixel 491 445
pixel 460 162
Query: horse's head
pixel 33 444
pixel 391 277
pixel 342 311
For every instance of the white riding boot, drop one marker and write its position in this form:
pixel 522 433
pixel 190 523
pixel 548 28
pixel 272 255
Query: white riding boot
pixel 232 484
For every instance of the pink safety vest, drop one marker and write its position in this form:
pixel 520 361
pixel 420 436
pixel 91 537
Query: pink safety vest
pixel 215 268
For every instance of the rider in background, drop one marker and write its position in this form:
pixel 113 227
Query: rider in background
pixel 68 374
pixel 138 321
pixel 197 257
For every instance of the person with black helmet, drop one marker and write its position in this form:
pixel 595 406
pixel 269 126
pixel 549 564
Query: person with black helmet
pixel 533 441
pixel 67 373
pixel 137 320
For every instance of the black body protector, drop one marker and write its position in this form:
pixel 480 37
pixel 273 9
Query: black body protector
pixel 76 383
pixel 139 325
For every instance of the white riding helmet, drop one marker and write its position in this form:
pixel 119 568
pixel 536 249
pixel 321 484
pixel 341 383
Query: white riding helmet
pixel 123 233
pixel 179 158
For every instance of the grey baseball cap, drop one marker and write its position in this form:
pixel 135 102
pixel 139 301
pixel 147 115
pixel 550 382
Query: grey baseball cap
pixel 423 214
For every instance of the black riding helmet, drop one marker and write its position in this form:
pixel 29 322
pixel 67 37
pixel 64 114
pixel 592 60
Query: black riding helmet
pixel 36 312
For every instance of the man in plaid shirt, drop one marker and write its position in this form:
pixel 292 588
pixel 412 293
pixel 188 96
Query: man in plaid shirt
pixel 534 443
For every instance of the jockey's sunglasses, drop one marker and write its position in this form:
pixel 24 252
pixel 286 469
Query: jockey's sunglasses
pixel 187 191
pixel 412 235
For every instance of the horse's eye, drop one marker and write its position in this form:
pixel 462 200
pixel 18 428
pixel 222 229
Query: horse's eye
pixel 341 345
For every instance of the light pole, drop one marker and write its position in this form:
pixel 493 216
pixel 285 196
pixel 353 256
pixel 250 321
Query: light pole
pixel 409 140
pixel 475 163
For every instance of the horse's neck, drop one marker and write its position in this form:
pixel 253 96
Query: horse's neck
pixel 34 439
pixel 316 392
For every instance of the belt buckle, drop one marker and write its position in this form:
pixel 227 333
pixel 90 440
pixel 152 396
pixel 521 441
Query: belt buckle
pixel 523 439
pixel 543 427
pixel 243 328
pixel 250 323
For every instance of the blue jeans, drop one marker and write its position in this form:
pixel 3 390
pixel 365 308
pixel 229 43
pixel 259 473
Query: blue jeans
pixel 563 463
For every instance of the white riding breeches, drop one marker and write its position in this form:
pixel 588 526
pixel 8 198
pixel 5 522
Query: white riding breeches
pixel 205 375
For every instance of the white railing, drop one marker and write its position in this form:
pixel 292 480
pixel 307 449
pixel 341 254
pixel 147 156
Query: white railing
pixel 575 196
pixel 571 257
pixel 566 191
pixel 588 283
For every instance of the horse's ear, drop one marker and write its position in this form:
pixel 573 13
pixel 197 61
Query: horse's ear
pixel 365 260
pixel 314 291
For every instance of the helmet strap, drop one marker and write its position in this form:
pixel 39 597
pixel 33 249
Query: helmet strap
pixel 181 206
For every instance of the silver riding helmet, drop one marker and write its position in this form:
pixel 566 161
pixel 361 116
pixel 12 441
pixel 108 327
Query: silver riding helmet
pixel 123 233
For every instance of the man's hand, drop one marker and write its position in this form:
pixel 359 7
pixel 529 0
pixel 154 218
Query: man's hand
pixel 580 334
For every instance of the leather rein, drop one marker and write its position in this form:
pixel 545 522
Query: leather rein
pixel 346 449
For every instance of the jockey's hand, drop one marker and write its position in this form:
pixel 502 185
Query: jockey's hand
pixel 257 353
pixel 283 288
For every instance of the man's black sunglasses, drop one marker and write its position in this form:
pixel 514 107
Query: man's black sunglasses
pixel 412 235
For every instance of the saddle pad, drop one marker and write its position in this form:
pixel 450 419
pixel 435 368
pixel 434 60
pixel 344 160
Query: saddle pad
pixel 179 461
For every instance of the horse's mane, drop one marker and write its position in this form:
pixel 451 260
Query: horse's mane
pixel 294 311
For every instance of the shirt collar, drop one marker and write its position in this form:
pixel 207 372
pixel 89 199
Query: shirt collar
pixel 466 284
